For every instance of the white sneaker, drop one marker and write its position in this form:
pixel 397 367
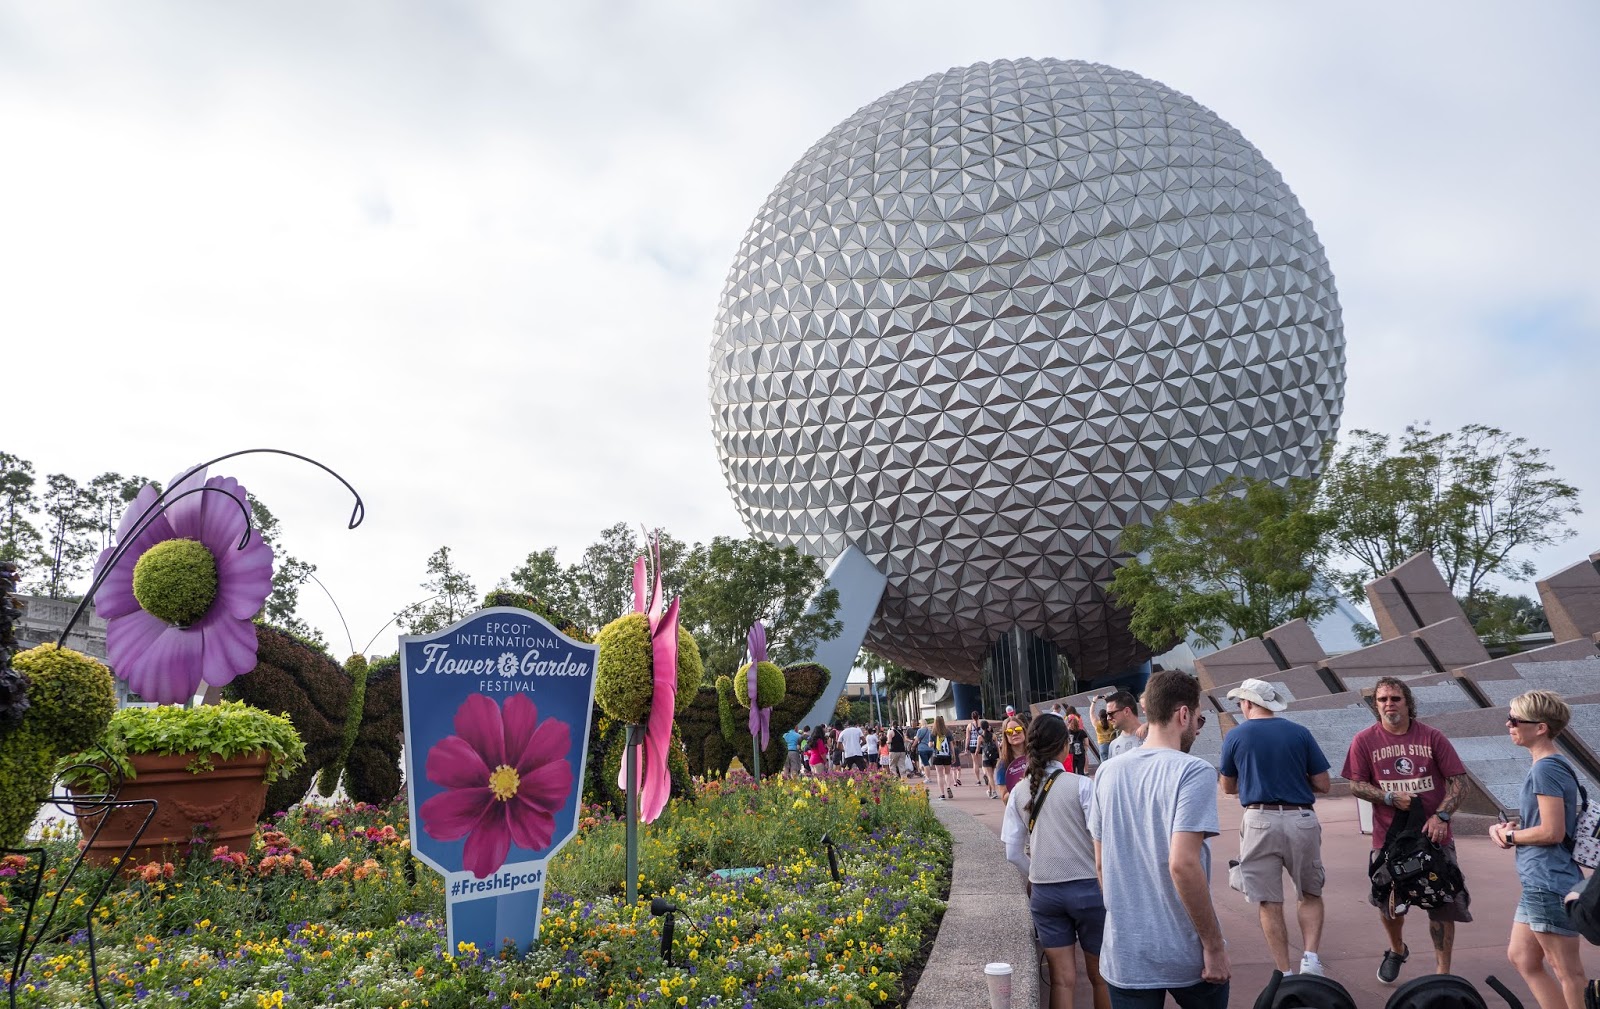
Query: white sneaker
pixel 1311 964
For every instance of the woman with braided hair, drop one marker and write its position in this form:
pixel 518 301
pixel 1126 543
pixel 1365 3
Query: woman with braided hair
pixel 1046 834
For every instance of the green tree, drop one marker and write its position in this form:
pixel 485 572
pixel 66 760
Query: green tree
pixel 453 596
pixel 602 581
pixel 19 537
pixel 731 583
pixel 1475 499
pixel 289 573
pixel 107 496
pixel 901 685
pixel 1501 618
pixel 542 575
pixel 1233 564
pixel 67 543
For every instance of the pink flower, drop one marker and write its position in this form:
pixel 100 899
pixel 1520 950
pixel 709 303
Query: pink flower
pixel 505 774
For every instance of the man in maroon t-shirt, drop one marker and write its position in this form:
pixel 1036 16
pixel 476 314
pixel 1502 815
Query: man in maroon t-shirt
pixel 1393 764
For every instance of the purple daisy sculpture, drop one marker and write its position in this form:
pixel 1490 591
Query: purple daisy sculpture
pixel 179 601
pixel 506 775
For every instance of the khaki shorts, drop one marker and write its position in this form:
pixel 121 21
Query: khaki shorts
pixel 1272 841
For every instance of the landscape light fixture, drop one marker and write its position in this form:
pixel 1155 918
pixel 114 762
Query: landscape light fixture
pixel 659 908
pixel 833 858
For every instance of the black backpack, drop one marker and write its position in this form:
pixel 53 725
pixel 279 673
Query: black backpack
pixel 1410 870
pixel 991 749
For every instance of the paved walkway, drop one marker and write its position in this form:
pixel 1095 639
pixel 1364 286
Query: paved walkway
pixel 1352 942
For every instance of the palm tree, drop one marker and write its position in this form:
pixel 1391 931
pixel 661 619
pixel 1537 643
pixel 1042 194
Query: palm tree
pixel 898 683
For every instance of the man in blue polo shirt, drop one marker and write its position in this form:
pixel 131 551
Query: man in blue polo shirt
pixel 793 766
pixel 1275 767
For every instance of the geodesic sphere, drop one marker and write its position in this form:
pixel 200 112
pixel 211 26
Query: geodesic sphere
pixel 1000 314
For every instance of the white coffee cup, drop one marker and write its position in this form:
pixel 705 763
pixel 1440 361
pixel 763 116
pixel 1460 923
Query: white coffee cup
pixel 998 977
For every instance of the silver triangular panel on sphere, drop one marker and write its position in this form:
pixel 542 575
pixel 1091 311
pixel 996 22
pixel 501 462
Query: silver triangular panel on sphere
pixel 1002 303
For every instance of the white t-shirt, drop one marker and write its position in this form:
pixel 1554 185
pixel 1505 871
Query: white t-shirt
pixel 869 744
pixel 850 739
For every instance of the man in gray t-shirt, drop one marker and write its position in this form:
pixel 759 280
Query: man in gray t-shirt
pixel 1123 711
pixel 1154 811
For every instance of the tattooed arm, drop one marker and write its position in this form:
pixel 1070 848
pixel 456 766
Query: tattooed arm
pixel 1454 786
pixel 1373 794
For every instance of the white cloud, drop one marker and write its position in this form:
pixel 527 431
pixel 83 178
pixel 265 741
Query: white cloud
pixel 469 254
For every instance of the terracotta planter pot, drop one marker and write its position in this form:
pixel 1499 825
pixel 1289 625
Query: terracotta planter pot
pixel 229 798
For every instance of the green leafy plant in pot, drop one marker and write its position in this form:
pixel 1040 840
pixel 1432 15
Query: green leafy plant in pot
pixel 208 768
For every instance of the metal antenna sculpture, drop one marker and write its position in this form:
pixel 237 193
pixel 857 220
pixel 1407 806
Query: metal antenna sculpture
pixel 98 807
pixel 163 502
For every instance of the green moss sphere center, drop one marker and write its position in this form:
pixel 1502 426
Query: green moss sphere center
pixel 176 581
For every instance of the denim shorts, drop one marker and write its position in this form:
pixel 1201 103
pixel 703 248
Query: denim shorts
pixel 1070 913
pixel 1543 911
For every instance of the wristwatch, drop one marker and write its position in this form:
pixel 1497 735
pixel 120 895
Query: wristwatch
pixel 1444 817
pixel 1511 837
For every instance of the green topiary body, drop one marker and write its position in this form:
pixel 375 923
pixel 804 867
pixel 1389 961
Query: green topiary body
pixel 624 681
pixel 715 729
pixel 328 778
pixel 72 699
pixel 372 771
pixel 307 685
pixel 769 685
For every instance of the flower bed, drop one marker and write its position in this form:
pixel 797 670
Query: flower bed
pixel 320 912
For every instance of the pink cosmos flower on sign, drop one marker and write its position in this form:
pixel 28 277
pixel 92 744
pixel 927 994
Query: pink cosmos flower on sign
pixel 179 601
pixel 506 775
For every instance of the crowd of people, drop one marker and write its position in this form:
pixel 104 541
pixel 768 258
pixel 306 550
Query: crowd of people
pixel 1119 865
pixel 935 751
pixel 931 751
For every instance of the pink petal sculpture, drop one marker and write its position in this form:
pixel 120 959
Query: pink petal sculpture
pixel 655 785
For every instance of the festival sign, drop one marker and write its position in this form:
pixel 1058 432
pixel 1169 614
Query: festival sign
pixel 497 713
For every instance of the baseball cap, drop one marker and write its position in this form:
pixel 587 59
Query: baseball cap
pixel 1259 692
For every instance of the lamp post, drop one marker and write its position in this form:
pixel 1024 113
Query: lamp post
pixel 630 885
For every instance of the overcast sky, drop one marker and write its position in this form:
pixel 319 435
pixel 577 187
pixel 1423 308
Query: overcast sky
pixel 469 255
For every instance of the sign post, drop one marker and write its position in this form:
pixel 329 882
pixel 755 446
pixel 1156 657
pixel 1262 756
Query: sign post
pixel 497 711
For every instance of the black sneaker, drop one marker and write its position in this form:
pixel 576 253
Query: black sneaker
pixel 1390 968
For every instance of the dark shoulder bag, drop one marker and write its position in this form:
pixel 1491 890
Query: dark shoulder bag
pixel 1044 793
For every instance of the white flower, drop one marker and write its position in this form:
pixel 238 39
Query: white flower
pixel 509 664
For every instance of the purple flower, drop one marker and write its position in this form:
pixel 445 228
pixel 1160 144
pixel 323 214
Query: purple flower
pixel 200 629
pixel 505 775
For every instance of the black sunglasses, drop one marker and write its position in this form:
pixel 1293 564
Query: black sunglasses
pixel 1514 720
